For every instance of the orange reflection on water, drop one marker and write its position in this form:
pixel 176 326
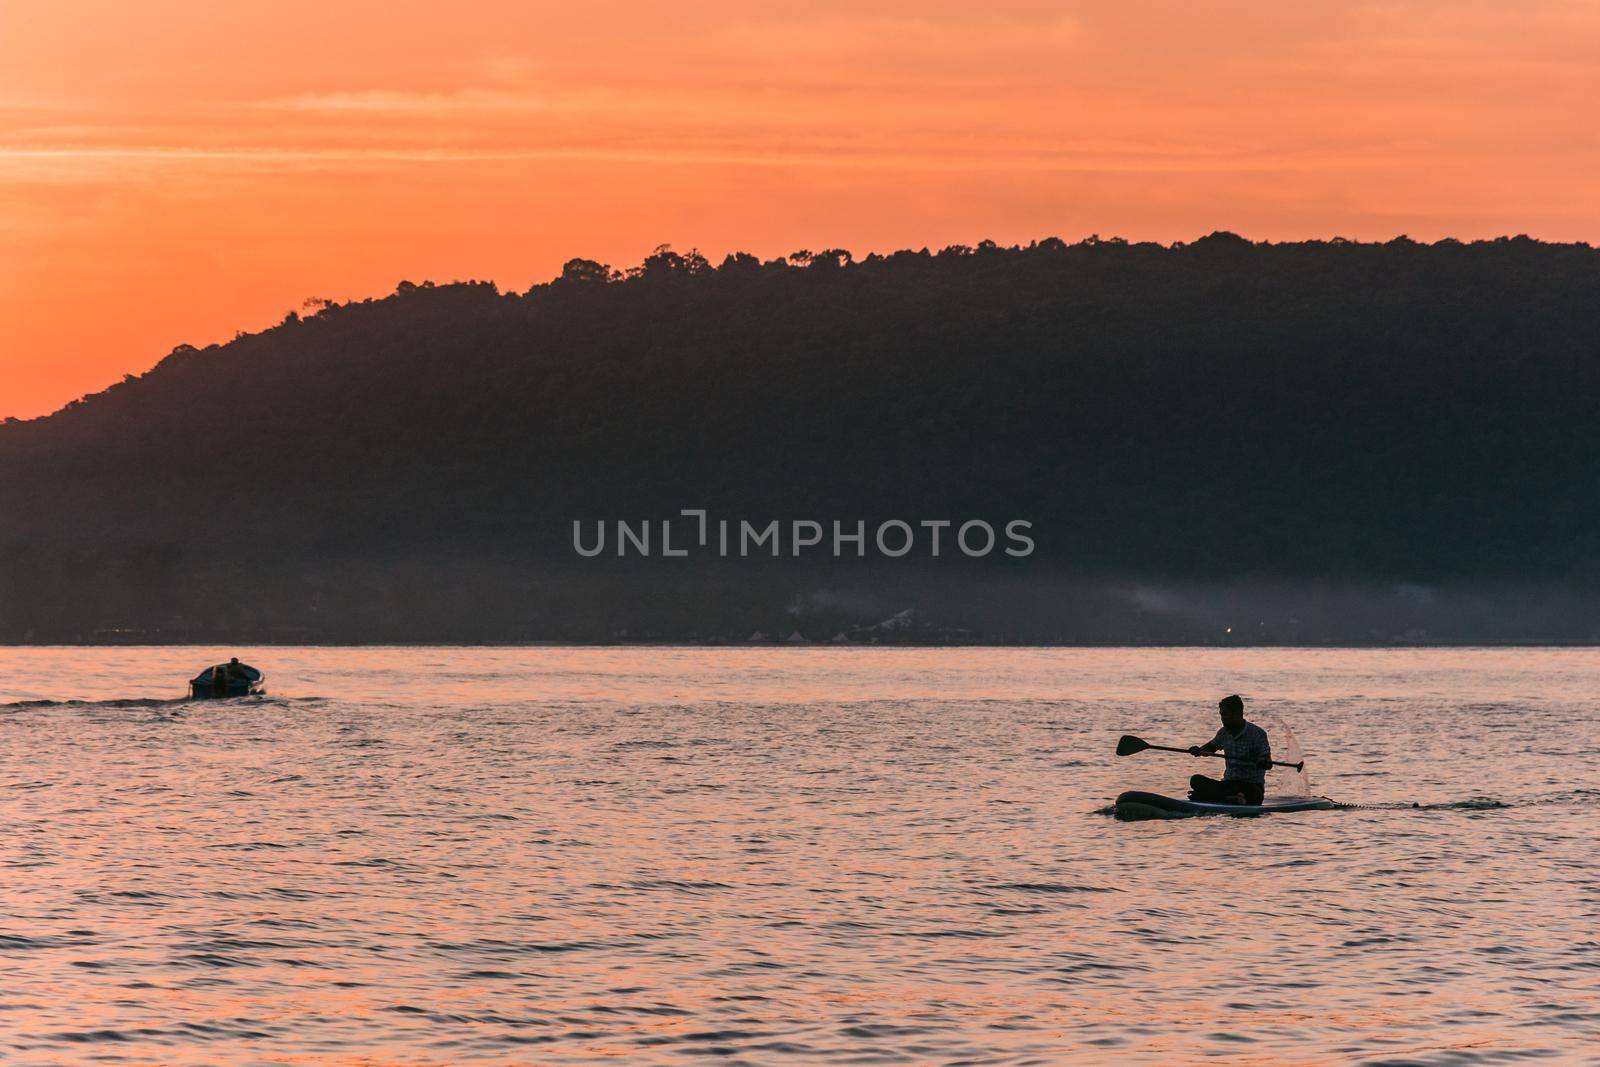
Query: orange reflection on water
pixel 437 855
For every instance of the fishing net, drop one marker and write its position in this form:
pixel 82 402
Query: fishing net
pixel 1283 781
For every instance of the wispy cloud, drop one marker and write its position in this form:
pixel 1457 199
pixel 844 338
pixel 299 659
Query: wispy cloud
pixel 89 163
pixel 465 100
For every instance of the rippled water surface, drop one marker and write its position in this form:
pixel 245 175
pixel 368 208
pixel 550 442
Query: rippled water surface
pixel 802 856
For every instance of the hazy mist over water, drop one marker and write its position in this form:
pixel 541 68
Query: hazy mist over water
pixel 562 855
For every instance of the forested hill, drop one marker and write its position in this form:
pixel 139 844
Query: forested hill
pixel 1217 415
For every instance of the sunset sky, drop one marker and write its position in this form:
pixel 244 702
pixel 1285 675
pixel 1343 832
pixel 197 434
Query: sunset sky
pixel 172 171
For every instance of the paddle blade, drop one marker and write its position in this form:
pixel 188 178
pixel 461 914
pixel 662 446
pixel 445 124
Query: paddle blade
pixel 1130 744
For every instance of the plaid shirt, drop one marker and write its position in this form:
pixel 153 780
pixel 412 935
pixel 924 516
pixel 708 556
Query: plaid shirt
pixel 1244 753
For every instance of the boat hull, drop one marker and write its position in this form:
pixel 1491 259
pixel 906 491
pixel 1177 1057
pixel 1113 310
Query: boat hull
pixel 249 682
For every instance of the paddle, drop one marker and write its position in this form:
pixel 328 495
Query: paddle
pixel 1130 744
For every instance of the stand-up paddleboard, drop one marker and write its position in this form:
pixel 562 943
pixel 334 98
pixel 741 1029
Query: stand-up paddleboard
pixel 1134 805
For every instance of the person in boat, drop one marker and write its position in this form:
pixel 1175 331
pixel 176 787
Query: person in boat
pixel 1244 778
pixel 224 675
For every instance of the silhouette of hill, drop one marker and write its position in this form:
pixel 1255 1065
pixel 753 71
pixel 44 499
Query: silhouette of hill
pixel 1368 436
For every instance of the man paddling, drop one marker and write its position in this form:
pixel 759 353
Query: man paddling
pixel 1244 779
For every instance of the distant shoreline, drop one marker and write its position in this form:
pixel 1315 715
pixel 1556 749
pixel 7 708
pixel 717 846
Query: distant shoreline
pixel 1531 643
pixel 1223 443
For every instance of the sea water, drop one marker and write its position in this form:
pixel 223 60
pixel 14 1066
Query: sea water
pixel 807 856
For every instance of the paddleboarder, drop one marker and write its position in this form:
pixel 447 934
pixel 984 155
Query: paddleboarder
pixel 1244 779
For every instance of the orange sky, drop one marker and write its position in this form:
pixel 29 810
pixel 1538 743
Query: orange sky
pixel 172 171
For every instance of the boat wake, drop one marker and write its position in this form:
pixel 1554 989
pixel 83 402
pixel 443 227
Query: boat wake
pixel 152 702
pixel 1474 804
pixel 128 702
pixel 1565 798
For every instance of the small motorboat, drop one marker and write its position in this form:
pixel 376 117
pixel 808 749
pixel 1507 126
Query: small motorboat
pixel 233 679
